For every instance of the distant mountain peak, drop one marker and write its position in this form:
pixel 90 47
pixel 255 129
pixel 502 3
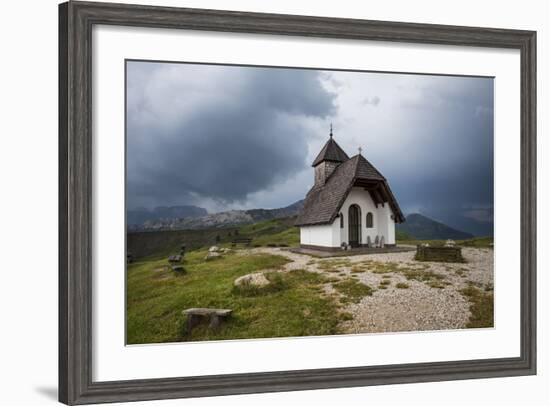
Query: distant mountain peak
pixel 201 219
pixel 420 227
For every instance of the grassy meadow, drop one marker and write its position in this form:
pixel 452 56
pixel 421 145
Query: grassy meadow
pixel 295 304
pixel 156 296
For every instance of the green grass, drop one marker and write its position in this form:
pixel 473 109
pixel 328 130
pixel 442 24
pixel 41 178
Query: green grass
pixel 346 316
pixel 333 265
pixel 383 267
pixel 418 272
pixel 423 275
pixel 402 235
pixel 352 290
pixel 286 238
pixel 461 272
pixel 401 285
pixel 277 232
pixel 156 297
pixel 157 244
pixel 481 307
pixel 480 242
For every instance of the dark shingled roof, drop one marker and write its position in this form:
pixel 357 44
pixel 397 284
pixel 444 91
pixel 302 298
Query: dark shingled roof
pixel 322 204
pixel 331 152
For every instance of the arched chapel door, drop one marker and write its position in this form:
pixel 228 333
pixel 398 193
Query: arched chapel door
pixel 354 225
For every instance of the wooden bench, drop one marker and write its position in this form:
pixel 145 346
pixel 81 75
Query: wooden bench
pixel 241 240
pixel 175 258
pixel 197 314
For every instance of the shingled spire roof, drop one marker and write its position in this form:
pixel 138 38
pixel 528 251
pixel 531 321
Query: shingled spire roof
pixel 322 204
pixel 331 152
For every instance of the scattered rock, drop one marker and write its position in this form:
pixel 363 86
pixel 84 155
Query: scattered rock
pixel 257 279
pixel 212 255
pixel 450 243
pixel 214 248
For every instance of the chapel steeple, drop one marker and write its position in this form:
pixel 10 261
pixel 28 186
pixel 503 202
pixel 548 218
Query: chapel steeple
pixel 331 151
pixel 327 160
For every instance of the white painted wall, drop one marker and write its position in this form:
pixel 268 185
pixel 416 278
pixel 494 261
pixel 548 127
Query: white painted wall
pixel 386 225
pixel 382 223
pixel 326 235
pixel 331 235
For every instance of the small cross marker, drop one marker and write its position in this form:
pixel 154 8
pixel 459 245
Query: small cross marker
pixel 360 150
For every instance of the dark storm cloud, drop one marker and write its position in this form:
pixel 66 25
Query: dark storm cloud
pixel 221 137
pixel 216 132
pixel 450 172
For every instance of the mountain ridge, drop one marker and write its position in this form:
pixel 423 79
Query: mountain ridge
pixel 141 215
pixel 416 226
pixel 218 220
pixel 421 227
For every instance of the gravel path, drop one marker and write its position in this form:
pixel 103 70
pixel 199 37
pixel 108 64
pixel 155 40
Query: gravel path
pixel 419 306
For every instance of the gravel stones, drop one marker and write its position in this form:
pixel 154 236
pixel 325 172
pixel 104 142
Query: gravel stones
pixel 423 306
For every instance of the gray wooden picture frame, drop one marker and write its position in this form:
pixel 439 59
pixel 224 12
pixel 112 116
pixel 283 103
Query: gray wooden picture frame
pixel 76 20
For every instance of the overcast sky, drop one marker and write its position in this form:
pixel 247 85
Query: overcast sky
pixel 224 137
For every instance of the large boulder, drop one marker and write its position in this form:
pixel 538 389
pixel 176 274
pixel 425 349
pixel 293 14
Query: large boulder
pixel 214 248
pixel 257 279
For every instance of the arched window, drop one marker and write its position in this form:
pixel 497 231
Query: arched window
pixel 341 220
pixel 369 220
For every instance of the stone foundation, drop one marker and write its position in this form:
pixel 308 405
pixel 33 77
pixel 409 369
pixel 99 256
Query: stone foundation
pixel 332 249
pixel 439 254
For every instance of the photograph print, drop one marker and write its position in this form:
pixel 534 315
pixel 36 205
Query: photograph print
pixel 268 202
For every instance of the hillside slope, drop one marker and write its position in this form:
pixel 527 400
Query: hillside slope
pixel 279 232
pixel 421 227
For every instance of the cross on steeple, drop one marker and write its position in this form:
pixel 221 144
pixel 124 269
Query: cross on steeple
pixel 330 130
pixel 360 150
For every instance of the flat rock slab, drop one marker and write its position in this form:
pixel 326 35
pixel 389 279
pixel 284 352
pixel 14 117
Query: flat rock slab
pixel 204 311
